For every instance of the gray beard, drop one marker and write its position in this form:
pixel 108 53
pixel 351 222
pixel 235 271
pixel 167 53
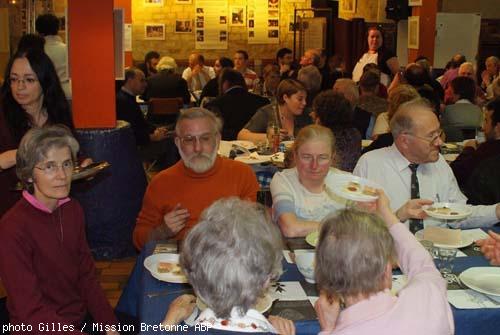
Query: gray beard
pixel 202 166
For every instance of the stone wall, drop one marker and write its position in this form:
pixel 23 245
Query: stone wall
pixel 180 46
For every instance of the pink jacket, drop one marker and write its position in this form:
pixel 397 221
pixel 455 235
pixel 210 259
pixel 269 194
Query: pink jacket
pixel 420 308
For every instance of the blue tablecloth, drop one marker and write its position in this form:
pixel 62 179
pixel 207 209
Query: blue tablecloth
pixel 148 298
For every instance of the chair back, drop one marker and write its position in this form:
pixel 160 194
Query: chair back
pixel 164 110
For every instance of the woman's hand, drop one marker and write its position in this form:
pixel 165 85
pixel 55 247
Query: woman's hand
pixel 180 309
pixel 7 159
pixel 328 311
pixel 283 326
pixel 86 162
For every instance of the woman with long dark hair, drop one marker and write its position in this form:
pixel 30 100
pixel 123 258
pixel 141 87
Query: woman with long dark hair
pixel 30 97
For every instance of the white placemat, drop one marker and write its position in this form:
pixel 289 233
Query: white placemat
pixel 470 299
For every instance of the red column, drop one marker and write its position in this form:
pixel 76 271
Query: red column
pixel 92 63
pixel 427 29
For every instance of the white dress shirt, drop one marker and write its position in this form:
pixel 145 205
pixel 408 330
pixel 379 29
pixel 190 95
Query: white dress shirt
pixel 198 81
pixel 58 53
pixel 389 168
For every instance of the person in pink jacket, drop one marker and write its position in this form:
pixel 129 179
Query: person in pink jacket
pixel 354 260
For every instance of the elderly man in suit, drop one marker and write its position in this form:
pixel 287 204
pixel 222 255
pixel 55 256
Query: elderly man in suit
pixel 167 83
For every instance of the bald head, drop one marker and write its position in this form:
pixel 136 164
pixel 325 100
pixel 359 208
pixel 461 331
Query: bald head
pixel 416 132
pixel 409 115
pixel 135 81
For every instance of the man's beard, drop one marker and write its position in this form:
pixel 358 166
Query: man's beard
pixel 199 163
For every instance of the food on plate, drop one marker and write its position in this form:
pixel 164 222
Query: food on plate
pixel 371 191
pixel 254 155
pixel 164 267
pixel 442 210
pixel 353 187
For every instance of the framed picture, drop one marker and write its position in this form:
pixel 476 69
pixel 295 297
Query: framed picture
pixel 237 15
pixel 154 31
pixel 272 4
pixel 153 3
pixel 414 2
pixel 413 27
pixel 348 6
pixel 183 26
pixel 183 2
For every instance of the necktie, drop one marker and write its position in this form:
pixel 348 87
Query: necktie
pixel 415 224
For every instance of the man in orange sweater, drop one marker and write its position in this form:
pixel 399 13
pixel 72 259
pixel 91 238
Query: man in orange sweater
pixel 176 196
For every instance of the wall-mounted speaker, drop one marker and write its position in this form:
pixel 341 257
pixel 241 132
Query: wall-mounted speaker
pixel 397 10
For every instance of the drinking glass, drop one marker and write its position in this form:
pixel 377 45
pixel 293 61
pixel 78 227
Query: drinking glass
pixel 445 259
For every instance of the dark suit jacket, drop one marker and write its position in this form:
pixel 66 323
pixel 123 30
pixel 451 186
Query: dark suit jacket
pixel 166 84
pixel 470 159
pixel 361 120
pixel 128 109
pixel 236 107
pixel 211 89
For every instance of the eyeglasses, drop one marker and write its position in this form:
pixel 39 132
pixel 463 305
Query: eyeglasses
pixel 432 139
pixel 26 81
pixel 320 159
pixel 51 168
pixel 203 139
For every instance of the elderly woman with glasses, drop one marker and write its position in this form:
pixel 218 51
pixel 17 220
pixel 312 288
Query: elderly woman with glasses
pixel 301 196
pixel 230 258
pixel 45 262
pixel 30 97
pixel 372 244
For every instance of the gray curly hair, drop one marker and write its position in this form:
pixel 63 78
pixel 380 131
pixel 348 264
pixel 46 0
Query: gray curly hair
pixel 231 254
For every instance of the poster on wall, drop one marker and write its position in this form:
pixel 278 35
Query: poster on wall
pixel 183 25
pixel 211 23
pixel 413 30
pixel 153 3
pixel 237 15
pixel 263 21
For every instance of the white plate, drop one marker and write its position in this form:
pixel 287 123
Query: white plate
pixel 312 238
pixel 450 157
pixel 365 143
pixel 465 242
pixel 340 183
pixel 151 263
pixel 262 305
pixel 254 160
pixel 482 279
pixel 462 211
pixel 226 146
pixel 245 144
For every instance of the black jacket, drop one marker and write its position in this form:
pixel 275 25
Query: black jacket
pixel 236 107
pixel 166 84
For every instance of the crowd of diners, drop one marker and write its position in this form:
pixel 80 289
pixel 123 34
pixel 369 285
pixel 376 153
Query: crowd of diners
pixel 209 202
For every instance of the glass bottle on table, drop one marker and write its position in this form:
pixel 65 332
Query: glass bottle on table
pixel 273 130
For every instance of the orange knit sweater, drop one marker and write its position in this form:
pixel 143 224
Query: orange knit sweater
pixel 194 191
